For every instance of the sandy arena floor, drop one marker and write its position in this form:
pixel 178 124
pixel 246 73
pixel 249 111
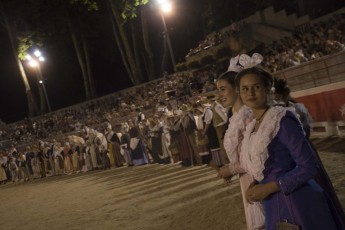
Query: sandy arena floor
pixel 147 197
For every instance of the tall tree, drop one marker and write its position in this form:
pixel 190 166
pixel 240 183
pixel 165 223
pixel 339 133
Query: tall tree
pixel 77 13
pixel 149 57
pixel 8 24
pixel 51 18
pixel 132 34
pixel 124 39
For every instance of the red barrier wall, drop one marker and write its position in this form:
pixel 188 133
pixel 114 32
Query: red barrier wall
pixel 324 106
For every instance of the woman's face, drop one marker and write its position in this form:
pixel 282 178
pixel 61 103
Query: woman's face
pixel 253 91
pixel 226 93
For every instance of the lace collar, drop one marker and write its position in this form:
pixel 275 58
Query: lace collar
pixel 233 135
pixel 254 151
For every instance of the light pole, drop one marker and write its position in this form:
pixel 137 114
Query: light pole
pixel 34 61
pixel 166 7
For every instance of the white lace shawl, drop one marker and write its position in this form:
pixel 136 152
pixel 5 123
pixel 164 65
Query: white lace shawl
pixel 233 135
pixel 254 151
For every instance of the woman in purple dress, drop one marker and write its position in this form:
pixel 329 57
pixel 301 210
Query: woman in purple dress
pixel 282 98
pixel 281 160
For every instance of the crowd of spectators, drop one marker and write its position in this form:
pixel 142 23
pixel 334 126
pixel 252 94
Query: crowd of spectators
pixel 308 43
pixel 215 39
pixel 208 42
pixel 113 108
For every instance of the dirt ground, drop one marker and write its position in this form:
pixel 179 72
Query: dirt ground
pixel 149 197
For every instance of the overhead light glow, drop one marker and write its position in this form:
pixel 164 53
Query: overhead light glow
pixel 33 63
pixel 161 2
pixel 37 53
pixel 166 7
pixel 28 57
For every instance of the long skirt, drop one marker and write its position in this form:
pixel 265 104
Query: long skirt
pixel 75 162
pixel 105 160
pixel 203 148
pixel 88 164
pixel 324 181
pixel 23 173
pixel 254 212
pixel 156 150
pixel 58 165
pixel 111 156
pixel 127 156
pixel 139 156
pixel 93 157
pixel 185 149
pixel 116 152
pixel 166 156
pixel 68 164
pixel 3 176
pixel 35 162
pixel 307 206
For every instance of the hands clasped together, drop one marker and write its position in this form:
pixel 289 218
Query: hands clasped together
pixel 258 192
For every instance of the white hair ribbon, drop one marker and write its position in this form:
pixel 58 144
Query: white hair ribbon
pixel 248 62
pixel 234 67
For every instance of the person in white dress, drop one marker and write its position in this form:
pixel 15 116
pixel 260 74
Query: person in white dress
pixel 241 116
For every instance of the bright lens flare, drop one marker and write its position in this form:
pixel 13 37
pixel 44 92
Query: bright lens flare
pixel 37 53
pixel 161 2
pixel 34 60
pixel 166 7
pixel 28 57
pixel 33 63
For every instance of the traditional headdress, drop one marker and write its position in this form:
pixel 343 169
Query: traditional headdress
pixel 234 67
pixel 247 62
